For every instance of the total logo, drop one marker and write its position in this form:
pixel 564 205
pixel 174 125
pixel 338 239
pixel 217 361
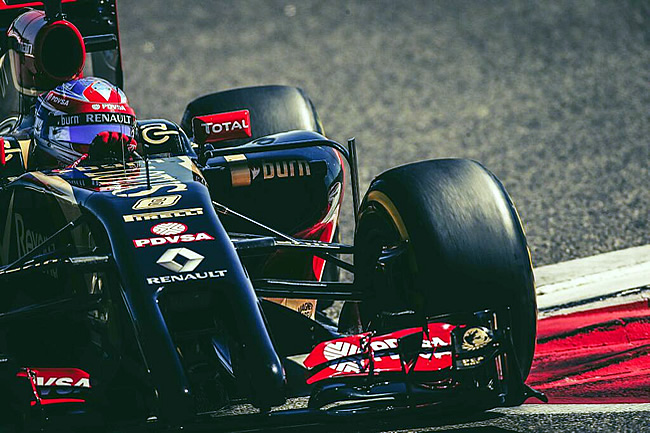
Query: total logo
pixel 222 126
pixel 171 233
pixel 218 128
pixel 183 261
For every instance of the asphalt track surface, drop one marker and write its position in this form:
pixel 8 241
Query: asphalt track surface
pixel 553 97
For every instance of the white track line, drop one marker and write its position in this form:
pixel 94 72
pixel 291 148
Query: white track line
pixel 590 278
pixel 542 409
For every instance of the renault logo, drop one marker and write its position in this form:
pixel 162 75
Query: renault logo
pixel 180 260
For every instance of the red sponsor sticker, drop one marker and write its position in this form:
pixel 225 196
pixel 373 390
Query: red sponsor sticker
pixel 108 106
pixel 222 126
pixel 173 239
pixel 437 342
pixel 71 105
pixel 73 377
pixel 7 4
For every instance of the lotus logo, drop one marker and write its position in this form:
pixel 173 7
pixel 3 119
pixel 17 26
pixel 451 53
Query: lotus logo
pixel 476 338
pixel 180 260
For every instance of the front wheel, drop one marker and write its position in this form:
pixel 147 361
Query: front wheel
pixel 443 236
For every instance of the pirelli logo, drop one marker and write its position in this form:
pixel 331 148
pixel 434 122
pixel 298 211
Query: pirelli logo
pixel 176 213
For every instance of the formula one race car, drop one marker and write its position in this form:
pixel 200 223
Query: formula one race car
pixel 184 274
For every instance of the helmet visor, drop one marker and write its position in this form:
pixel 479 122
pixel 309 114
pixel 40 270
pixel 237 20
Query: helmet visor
pixel 85 134
pixel 79 130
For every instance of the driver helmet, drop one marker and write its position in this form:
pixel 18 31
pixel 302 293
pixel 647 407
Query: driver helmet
pixel 85 119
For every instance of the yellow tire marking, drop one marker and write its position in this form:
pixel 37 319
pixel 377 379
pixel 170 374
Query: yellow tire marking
pixel 386 203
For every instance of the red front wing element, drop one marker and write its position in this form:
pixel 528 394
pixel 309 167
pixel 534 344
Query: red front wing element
pixel 18 4
pixel 365 354
pixel 56 385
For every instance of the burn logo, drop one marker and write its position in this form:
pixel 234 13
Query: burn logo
pixel 281 169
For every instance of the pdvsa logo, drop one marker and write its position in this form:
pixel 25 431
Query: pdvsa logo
pixel 58 100
pixel 81 382
pixel 107 106
pixel 174 239
pixel 342 349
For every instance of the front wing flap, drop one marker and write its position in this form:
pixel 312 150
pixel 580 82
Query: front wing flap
pixel 449 358
pixel 367 354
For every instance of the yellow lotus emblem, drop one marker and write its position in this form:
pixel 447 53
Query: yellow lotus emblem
pixel 475 338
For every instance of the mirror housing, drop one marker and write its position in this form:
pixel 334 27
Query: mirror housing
pixel 44 52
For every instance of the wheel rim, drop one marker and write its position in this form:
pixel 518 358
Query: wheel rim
pixel 380 228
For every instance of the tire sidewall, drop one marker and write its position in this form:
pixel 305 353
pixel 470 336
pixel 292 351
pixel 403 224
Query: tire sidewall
pixel 467 245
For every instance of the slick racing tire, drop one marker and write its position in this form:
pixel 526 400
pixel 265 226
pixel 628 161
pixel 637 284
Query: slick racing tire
pixel 273 109
pixel 464 248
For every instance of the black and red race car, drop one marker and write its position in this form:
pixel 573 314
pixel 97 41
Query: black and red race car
pixel 166 290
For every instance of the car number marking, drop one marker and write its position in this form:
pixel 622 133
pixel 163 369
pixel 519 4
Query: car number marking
pixel 157 202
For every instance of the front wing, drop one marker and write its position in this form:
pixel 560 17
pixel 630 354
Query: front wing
pixel 462 357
